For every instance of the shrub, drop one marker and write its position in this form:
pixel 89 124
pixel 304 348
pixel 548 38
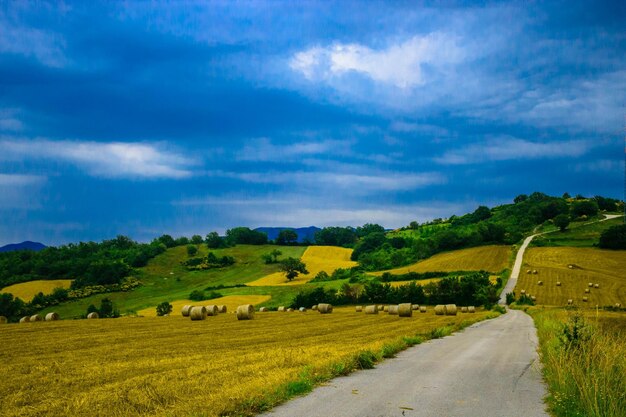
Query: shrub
pixel 192 250
pixel 614 237
pixel 197 295
pixel 510 297
pixel 164 308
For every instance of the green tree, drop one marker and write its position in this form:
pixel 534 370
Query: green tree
pixel 192 250
pixel 287 237
pixel 614 237
pixel 164 308
pixel 584 208
pixel 271 257
pixel 196 239
pixel 561 221
pixel 369 228
pixel 107 309
pixel 214 241
pixel 292 267
pixel 197 295
pixel 167 240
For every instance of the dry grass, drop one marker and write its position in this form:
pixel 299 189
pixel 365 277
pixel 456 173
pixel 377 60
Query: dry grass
pixel 230 301
pixel 603 267
pixel 492 278
pixel 27 290
pixel 172 366
pixel 492 258
pixel 316 258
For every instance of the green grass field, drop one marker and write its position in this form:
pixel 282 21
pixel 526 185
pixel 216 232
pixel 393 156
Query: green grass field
pixel 577 235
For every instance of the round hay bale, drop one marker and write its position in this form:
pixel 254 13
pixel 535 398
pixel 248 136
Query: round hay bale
pixel 262 309
pixel 222 309
pixel 325 308
pixel 415 307
pixel 289 310
pixel 618 305
pixel 535 272
pixel 186 310
pixel 558 283
pixel 35 317
pixel 392 310
pixel 528 271
pixel 52 316
pixel 471 309
pixel 212 310
pixel 25 319
pixel 532 297
pixel 570 266
pixel 245 312
pixel 463 309
pixel 539 282
pixel 440 310
pixel 302 310
pixel 596 285
pixel 405 310
pixel 386 309
pixel 93 316
pixel 585 299
pixel 358 309
pixel 314 308
pixel 198 313
pixel 282 309
pixel 450 309
pixel 570 302
pixel 371 309
pixel 3 320
pixel 587 290
pixel 590 284
pixel 422 309
pixel 381 308
pixel 522 292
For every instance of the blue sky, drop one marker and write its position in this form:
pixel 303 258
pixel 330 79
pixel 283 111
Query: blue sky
pixel 145 118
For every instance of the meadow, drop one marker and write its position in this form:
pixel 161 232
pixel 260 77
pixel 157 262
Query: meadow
pixel 603 267
pixel 27 290
pixel 158 366
pixel 578 234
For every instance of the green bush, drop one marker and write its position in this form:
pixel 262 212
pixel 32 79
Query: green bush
pixel 164 308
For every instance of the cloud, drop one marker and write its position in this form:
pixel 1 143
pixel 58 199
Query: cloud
pixel 263 150
pixel 400 64
pixel 506 148
pixel 20 180
pixel 20 191
pixel 108 159
pixel 9 121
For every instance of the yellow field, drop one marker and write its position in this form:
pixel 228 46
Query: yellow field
pixel 172 366
pixel 603 267
pixel 27 290
pixel 492 278
pixel 316 258
pixel 492 258
pixel 230 301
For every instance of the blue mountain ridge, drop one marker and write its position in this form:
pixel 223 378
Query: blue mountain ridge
pixel 304 233
pixel 27 245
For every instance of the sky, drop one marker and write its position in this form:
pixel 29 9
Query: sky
pixel 145 118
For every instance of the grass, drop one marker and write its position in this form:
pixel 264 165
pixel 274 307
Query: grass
pixel 317 259
pixel 27 290
pixel 173 366
pixel 492 258
pixel 603 267
pixel 577 235
pixel 586 376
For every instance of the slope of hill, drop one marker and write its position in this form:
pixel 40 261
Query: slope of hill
pixel 27 290
pixel 304 233
pixel 26 245
pixel 581 235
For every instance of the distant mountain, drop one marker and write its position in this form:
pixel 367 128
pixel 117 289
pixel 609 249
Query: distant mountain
pixel 28 245
pixel 304 233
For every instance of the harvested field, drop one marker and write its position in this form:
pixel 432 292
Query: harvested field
pixel 316 258
pixel 231 302
pixel 588 265
pixel 493 258
pixel 27 290
pixel 159 366
pixel 492 278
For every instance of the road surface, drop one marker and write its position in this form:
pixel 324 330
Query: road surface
pixel 489 369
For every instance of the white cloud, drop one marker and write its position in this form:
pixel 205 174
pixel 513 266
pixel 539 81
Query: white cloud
pixel 401 64
pixel 20 191
pixel 506 148
pixel 104 159
pixel 9 121
pixel 264 150
pixel 20 180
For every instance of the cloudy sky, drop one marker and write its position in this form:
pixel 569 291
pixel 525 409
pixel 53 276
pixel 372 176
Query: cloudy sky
pixel 150 118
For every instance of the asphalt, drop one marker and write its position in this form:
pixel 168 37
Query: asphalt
pixel 489 369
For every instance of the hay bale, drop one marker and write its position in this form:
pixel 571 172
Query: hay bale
pixel 262 309
pixel 450 309
pixel 528 271
pixel 283 309
pixel 585 299
pixel 405 310
pixel 596 285
pixel 222 309
pixel 463 309
pixel 289 310
pixel 570 266
pixel 371 309
pixel 52 316
pixel 386 309
pixel 570 302
pixel 522 292
pixel 587 290
pixel 558 283
pixel 212 310
pixel 198 313
pixel 36 317
pixel 535 272
pixel 324 308
pixel 245 312
pixel 302 310
pixel 422 309
pixel 381 308
pixel 93 316
pixel 590 284
pixel 618 305
pixel 25 319
pixel 358 309
pixel 186 310
pixel 471 309
pixel 392 310
pixel 415 307
pixel 532 297
pixel 539 282
pixel 3 320
pixel 440 310
pixel 314 308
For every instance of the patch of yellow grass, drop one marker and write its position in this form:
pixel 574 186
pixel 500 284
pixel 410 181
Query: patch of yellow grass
pixel 157 366
pixel 492 278
pixel 27 290
pixel 597 266
pixel 230 301
pixel 316 259
pixel 493 258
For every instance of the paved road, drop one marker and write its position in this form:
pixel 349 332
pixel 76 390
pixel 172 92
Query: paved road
pixel 490 369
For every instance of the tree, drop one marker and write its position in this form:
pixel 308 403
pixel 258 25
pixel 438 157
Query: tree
pixel 213 241
pixel 106 308
pixel 164 309
pixel 520 198
pixel 272 257
pixel 481 213
pixel 369 228
pixel 287 237
pixel 167 240
pixel 245 236
pixel 292 267
pixel 196 239
pixel 584 208
pixel 192 250
pixel 561 221
pixel 614 237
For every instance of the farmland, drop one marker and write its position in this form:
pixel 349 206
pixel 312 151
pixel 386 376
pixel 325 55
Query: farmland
pixel 492 258
pixel 27 290
pixel 230 301
pixel 173 366
pixel 603 267
pixel 577 235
